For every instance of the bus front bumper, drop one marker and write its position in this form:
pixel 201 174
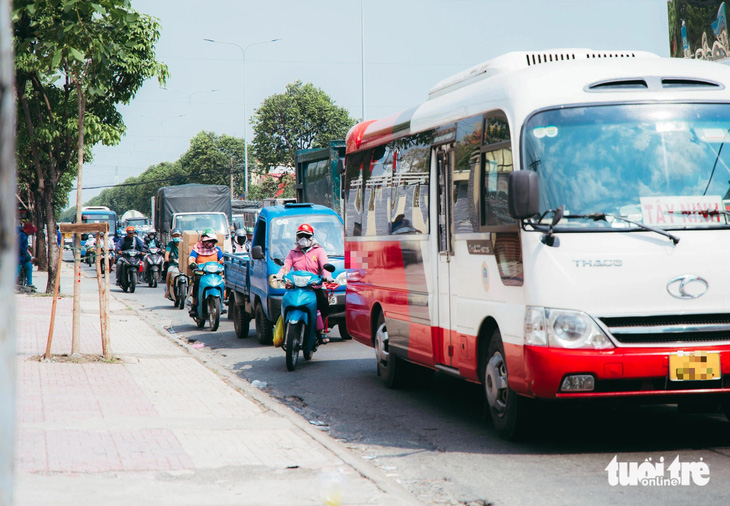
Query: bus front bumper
pixel 619 372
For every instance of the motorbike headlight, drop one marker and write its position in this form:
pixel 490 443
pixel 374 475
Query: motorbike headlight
pixel 301 281
pixel 153 251
pixel 275 282
pixel 341 278
pixel 211 268
pixel 561 328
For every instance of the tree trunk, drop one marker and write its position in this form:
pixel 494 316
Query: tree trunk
pixel 40 249
pixel 53 248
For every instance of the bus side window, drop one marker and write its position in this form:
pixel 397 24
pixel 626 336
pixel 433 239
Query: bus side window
pixel 496 165
pixel 356 166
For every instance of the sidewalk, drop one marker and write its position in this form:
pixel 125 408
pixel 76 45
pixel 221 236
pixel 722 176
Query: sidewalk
pixel 158 427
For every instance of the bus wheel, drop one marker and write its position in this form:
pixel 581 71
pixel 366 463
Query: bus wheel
pixel 505 406
pixel 390 367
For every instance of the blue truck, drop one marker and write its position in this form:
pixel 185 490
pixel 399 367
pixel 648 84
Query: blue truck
pixel 251 295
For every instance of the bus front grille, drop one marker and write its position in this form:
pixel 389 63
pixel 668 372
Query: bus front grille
pixel 670 329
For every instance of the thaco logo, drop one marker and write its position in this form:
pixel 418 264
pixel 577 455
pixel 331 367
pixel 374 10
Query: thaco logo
pixel 654 473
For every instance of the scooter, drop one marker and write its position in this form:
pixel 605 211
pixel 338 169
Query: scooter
pixel 179 286
pixel 209 296
pixel 299 314
pixel 152 266
pixel 131 263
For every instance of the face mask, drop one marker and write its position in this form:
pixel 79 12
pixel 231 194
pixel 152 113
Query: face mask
pixel 304 242
pixel 175 239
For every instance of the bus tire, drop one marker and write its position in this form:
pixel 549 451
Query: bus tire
pixel 506 408
pixel 390 368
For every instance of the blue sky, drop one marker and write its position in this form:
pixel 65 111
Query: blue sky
pixel 409 46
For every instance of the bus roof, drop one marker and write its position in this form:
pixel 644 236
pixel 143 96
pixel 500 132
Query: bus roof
pixel 530 81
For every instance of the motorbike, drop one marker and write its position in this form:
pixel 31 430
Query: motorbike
pixel 112 259
pixel 131 263
pixel 179 286
pixel 209 296
pixel 299 314
pixel 152 270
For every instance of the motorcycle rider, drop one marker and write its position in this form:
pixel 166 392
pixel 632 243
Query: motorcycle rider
pixel 150 239
pixel 205 250
pixel 309 256
pixel 240 242
pixel 129 241
pixel 172 256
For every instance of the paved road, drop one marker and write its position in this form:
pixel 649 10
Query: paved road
pixel 433 438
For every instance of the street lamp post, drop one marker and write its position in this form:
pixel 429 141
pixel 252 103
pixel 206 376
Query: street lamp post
pixel 243 60
pixel 190 96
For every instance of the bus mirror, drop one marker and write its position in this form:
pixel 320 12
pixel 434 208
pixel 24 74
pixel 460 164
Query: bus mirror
pixel 257 253
pixel 523 198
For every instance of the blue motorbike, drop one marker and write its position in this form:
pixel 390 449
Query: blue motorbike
pixel 299 314
pixel 209 296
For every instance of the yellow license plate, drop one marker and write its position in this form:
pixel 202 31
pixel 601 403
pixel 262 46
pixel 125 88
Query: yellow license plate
pixel 694 366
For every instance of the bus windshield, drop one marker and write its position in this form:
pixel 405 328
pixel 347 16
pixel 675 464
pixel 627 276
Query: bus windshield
pixel 328 232
pixel 664 165
pixel 101 217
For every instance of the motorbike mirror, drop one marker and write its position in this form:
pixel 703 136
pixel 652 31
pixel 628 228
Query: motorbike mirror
pixel 329 267
pixel 278 261
pixel 257 253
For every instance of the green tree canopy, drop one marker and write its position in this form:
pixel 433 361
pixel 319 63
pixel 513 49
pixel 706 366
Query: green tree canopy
pixel 75 61
pixel 303 117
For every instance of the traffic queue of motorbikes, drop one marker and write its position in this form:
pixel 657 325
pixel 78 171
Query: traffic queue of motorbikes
pixel 136 260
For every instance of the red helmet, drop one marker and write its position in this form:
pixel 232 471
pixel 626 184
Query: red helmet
pixel 305 229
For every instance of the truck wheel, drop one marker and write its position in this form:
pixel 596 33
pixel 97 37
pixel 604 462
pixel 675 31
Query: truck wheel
pixel 390 367
pixel 241 321
pixel 264 327
pixel 506 408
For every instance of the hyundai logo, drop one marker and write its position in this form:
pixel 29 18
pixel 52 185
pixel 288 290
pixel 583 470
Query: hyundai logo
pixel 687 287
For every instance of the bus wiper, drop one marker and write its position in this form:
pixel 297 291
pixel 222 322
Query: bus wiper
pixel 603 216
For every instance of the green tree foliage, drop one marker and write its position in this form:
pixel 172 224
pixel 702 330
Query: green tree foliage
pixel 303 117
pixel 207 161
pixel 75 61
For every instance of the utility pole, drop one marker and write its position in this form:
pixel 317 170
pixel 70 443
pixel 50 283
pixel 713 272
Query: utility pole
pixel 8 254
pixel 231 178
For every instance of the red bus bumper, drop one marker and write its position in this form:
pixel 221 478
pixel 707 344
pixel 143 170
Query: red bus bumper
pixel 621 372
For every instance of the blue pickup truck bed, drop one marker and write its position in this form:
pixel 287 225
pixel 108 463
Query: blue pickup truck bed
pixel 236 270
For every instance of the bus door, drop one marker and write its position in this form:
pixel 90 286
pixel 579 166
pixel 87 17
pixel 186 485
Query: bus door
pixel 443 348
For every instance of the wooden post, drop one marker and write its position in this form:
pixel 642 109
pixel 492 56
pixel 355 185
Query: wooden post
pixel 55 301
pixel 78 229
pixel 102 295
pixel 105 338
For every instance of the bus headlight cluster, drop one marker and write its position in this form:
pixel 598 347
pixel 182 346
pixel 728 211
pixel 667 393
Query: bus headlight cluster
pixel 561 328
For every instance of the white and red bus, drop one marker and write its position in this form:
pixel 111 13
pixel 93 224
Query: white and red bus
pixel 552 225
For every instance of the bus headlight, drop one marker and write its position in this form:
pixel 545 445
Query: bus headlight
pixel 561 328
